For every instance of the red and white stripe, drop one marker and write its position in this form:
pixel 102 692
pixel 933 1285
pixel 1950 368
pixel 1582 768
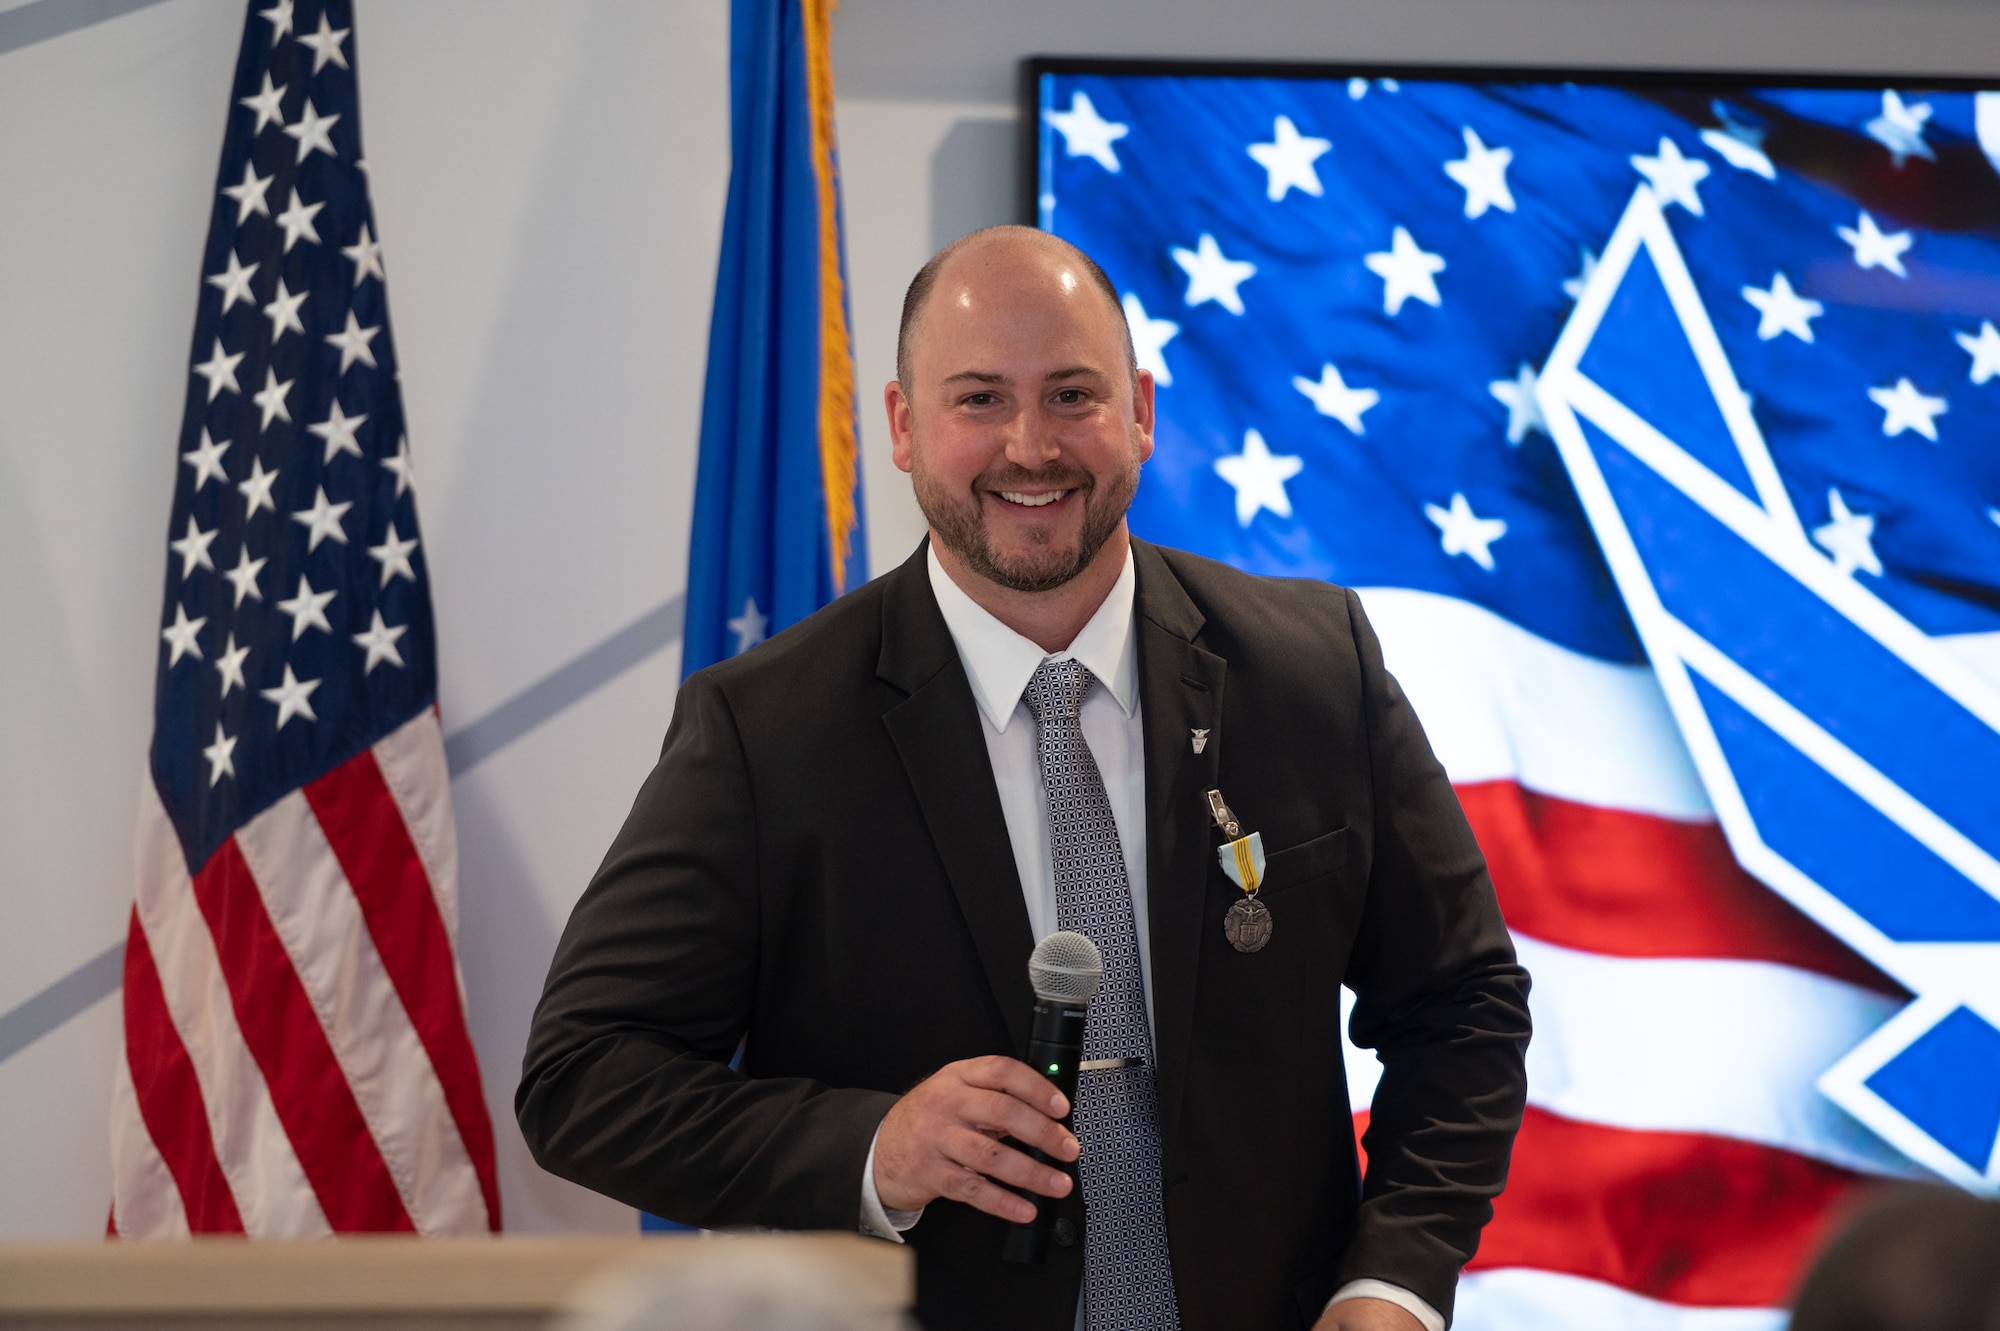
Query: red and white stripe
pixel 1677 1165
pixel 297 1061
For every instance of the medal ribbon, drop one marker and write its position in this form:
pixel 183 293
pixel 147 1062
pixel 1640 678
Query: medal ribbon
pixel 1246 868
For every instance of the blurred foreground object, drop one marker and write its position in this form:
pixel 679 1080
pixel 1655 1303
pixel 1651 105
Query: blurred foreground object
pixel 740 1287
pixel 398 1283
pixel 1918 1259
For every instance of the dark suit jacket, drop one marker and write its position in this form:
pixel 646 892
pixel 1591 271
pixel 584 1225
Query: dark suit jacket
pixel 819 862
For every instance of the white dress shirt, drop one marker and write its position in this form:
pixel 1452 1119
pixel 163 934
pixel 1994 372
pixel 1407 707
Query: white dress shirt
pixel 999 663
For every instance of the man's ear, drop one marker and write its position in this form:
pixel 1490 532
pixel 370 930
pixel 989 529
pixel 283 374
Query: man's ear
pixel 1142 411
pixel 900 425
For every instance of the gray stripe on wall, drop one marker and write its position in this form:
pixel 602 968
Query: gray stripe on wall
pixel 43 20
pixel 565 686
pixel 68 997
pixel 557 691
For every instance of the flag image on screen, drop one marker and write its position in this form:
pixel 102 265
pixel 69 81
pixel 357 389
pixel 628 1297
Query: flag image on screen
pixel 1654 419
pixel 296 1058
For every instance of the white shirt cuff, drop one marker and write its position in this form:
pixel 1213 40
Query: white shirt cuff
pixel 1388 1293
pixel 877 1221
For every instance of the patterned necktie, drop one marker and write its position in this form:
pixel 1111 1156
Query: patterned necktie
pixel 1127 1282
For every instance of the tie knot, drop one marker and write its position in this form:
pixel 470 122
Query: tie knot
pixel 1055 691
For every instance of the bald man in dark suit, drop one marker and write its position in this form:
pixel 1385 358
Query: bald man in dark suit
pixel 857 831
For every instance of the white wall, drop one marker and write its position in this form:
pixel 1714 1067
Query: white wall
pixel 549 181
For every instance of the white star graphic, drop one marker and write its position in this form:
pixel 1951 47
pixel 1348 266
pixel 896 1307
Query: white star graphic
pixel 750 625
pixel 297 220
pixel 257 490
pixel 283 312
pixel 1288 160
pixel 380 643
pixel 353 341
pixel 249 195
pixel 180 636
pixel 310 129
pixel 293 697
pixel 1258 476
pixel 271 397
pixel 1873 248
pixel 1900 128
pixel 1848 537
pixel 193 548
pixel 1742 147
pixel 206 459
pixel 1984 348
pixel 325 44
pixel 338 430
pixel 307 609
pixel 394 556
pixel 1904 408
pixel 219 764
pixel 1518 396
pixel 1149 339
pixel 1463 532
pixel 234 282
pixel 1783 310
pixel 1357 88
pixel 220 371
pixel 244 576
pixel 402 466
pixel 1332 397
pixel 1586 269
pixel 322 520
pixel 1087 134
pixel 279 16
pixel 1211 276
pixel 265 102
pixel 367 256
pixel 230 666
pixel 1406 270
pixel 1482 174
pixel 1672 176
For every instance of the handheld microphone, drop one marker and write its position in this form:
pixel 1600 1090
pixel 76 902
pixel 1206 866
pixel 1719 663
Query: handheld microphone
pixel 1065 970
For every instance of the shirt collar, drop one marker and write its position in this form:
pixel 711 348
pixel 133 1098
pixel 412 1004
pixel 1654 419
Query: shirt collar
pixel 999 662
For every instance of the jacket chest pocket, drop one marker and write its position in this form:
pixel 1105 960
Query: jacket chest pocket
pixel 1306 862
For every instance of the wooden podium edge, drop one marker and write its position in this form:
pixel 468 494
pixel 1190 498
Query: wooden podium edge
pixel 392 1273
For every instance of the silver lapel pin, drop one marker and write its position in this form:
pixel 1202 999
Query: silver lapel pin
pixel 1200 740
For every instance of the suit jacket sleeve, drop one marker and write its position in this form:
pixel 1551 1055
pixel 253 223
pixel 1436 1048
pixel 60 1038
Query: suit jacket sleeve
pixel 626 1086
pixel 1441 1000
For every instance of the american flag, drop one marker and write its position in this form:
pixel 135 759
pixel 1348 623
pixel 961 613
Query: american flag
pixel 297 1061
pixel 1347 288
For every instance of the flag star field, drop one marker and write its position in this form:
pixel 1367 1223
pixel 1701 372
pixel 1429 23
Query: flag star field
pixel 297 627
pixel 1656 426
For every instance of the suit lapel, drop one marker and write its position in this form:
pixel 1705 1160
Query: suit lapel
pixel 937 734
pixel 1180 691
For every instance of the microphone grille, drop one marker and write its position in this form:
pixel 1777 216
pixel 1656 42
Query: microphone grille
pixel 1066 967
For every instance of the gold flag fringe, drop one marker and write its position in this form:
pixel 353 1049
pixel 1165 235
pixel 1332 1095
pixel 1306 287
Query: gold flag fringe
pixel 838 452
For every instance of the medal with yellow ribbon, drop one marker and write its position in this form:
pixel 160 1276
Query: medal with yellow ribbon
pixel 1247 925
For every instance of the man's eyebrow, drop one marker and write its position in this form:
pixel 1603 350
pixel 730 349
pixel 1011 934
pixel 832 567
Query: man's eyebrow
pixel 1074 372
pixel 977 377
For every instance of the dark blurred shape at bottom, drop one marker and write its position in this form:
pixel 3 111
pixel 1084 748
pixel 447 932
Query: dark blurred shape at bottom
pixel 1913 1258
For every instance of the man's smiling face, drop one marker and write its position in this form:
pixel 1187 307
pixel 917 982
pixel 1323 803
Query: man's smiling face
pixel 1023 424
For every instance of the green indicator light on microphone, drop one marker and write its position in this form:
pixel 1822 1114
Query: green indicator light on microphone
pixel 1054 1067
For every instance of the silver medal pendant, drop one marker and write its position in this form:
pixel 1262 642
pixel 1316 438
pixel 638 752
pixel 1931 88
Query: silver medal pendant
pixel 1247 926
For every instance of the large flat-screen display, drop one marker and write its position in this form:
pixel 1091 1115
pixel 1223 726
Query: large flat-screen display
pixel 1657 420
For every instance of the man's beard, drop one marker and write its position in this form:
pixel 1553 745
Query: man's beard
pixel 959 521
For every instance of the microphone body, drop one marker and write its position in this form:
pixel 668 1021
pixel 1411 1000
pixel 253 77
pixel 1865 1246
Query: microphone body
pixel 1065 971
pixel 1055 1047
